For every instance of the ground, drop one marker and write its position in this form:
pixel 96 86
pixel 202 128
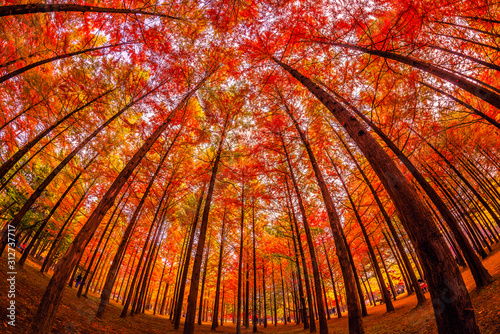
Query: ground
pixel 77 315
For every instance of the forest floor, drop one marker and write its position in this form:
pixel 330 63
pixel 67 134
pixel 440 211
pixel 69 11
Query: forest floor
pixel 77 315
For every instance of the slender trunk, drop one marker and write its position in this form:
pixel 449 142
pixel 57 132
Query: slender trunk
pixel 303 307
pixel 46 220
pixel 339 314
pixel 474 59
pixel 387 298
pixel 7 165
pixel 49 60
pixel 32 156
pixel 456 80
pixel 283 293
pixel 129 269
pixel 24 111
pixel 326 299
pixel 55 244
pixel 215 317
pixel 247 295
pixel 275 304
pixel 102 253
pixel 195 278
pixel 240 262
pixel 96 250
pixel 465 104
pixel 187 260
pixel 264 292
pixel 399 245
pixel 203 280
pixel 51 8
pixel 37 193
pixel 355 322
pixel 254 310
pixel 311 323
pixel 180 262
pixel 391 285
pixel 138 269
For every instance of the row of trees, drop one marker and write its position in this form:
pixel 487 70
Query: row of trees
pixel 147 147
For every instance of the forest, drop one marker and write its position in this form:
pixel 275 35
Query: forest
pixel 327 166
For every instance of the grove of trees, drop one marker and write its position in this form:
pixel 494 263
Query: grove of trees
pixel 243 161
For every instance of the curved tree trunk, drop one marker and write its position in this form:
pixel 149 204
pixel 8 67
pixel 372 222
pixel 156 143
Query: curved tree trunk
pixel 185 266
pixel 55 244
pixel 37 193
pixel 456 80
pixel 120 252
pixel 49 60
pixel 399 245
pixel 454 313
pixel 355 322
pixel 480 274
pixel 387 298
pixel 215 314
pixel 52 297
pixel 240 263
pixel 312 321
pixel 7 165
pixel 52 211
pixel 50 8
pixel 339 313
pixel 195 278
pixel 302 303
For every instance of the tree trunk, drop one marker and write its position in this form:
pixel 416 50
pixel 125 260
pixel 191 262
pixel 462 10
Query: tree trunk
pixel 454 313
pixel 16 157
pixel 49 60
pixel 215 317
pixel 339 313
pixel 240 262
pixel 355 322
pixel 264 292
pixel 292 219
pixel 52 297
pixel 481 276
pixel 195 278
pixel 387 298
pixel 399 245
pixel 55 244
pixel 311 324
pixel 51 8
pixel 185 267
pixel 34 196
pixel 122 247
pixel 203 280
pixel 476 90
pixel 254 310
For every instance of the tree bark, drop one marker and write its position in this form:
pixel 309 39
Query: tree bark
pixel 122 247
pixel 195 278
pixel 476 90
pixel 52 297
pixel 355 322
pixel 215 317
pixel 387 298
pixel 452 306
pixel 50 8
pixel 16 157
pixel 187 260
